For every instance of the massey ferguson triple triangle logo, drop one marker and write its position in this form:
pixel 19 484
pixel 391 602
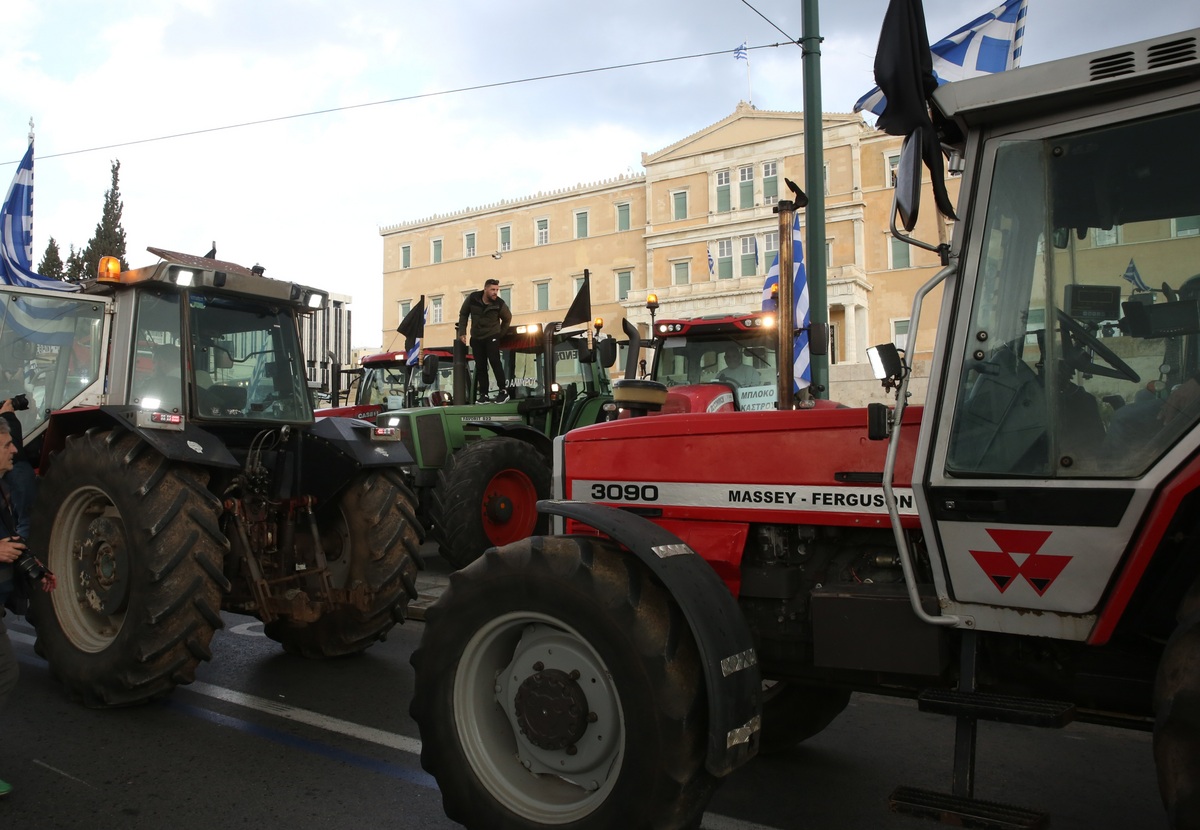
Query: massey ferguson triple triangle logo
pixel 1018 556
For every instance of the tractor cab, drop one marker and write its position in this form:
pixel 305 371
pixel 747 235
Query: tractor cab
pixel 207 340
pixel 719 363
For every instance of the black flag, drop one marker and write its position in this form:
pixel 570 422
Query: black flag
pixel 413 325
pixel 581 307
pixel 904 71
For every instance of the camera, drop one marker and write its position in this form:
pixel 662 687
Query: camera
pixel 29 566
pixel 20 402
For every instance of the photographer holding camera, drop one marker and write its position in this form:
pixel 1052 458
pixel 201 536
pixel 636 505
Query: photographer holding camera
pixel 21 479
pixel 16 561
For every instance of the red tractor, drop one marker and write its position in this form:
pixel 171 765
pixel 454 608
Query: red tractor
pixel 387 381
pixel 1025 547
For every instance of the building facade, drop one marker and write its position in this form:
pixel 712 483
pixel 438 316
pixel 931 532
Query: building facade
pixel 697 229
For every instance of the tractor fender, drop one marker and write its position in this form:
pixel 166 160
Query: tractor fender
pixel 191 444
pixel 522 432
pixel 731 671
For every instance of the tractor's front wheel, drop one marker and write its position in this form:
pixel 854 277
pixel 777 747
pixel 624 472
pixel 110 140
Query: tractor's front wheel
pixel 557 684
pixel 135 543
pixel 486 496
pixel 370 541
pixel 1177 725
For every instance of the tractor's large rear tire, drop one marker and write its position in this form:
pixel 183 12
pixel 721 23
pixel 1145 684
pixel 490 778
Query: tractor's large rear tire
pixel 486 496
pixel 558 685
pixel 135 543
pixel 1177 725
pixel 370 539
pixel 793 713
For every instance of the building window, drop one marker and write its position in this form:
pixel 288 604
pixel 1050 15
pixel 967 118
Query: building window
pixel 469 245
pixel 623 216
pixel 723 203
pixel 1103 237
pixel 1186 226
pixel 900 334
pixel 724 259
pixel 749 256
pixel 506 295
pixel 624 283
pixel 893 162
pixel 541 296
pixel 899 253
pixel 745 187
pixel 543 232
pixel 770 182
pixel 771 243
pixel 505 238
pixel 825 176
pixel 828 252
pixel 435 310
pixel 406 256
pixel 682 272
pixel 435 255
pixel 578 284
pixel 405 307
pixel 581 224
pixel 679 204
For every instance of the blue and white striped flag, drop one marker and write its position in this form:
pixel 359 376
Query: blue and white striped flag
pixel 16 233
pixel 988 44
pixel 710 262
pixel 1132 276
pixel 801 365
pixel 739 54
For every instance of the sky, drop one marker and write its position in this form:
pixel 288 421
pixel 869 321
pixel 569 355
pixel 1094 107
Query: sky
pixel 420 108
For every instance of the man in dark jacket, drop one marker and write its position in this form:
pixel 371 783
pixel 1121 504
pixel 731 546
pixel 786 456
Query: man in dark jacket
pixel 489 316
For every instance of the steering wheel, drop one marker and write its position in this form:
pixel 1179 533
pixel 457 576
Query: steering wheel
pixel 1076 357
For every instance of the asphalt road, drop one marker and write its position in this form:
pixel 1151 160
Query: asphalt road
pixel 264 740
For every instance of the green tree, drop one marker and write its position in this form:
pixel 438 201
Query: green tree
pixel 76 270
pixel 109 238
pixel 51 264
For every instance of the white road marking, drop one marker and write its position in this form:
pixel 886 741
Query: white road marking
pixel 282 710
pixel 64 774
pixel 250 629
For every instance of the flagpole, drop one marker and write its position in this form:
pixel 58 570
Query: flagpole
pixel 814 185
pixel 749 88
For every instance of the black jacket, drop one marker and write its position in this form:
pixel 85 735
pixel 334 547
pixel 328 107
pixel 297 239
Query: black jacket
pixel 487 319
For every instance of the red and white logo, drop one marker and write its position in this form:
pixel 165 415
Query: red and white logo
pixel 1018 556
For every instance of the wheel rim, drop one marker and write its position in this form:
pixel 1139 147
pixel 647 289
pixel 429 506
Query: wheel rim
pixel 539 670
pixel 89 549
pixel 509 507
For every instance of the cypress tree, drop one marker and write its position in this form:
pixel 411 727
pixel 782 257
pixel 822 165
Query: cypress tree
pixel 109 238
pixel 51 264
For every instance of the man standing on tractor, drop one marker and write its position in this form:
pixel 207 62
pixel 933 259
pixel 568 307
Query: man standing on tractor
pixel 490 317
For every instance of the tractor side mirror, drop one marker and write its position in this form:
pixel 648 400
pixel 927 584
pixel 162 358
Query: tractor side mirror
pixel 818 339
pixel 429 369
pixel 908 180
pixel 608 352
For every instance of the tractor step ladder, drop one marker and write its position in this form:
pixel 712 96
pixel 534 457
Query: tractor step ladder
pixel 960 808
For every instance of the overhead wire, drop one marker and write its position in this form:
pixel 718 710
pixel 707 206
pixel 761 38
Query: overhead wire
pixel 402 99
pixel 770 22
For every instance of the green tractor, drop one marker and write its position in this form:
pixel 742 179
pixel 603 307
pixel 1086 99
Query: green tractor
pixel 480 469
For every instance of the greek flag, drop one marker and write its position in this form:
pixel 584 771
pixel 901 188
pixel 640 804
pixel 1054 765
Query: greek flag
pixel 710 262
pixel 801 365
pixel 988 44
pixel 16 233
pixel 739 54
pixel 1132 276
